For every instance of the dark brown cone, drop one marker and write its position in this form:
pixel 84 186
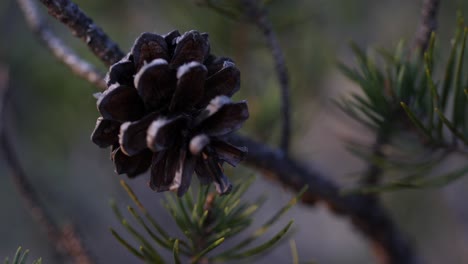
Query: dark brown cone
pixel 168 108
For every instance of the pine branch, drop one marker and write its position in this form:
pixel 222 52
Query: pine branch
pixel 65 54
pixel 427 24
pixel 367 215
pixel 84 28
pixel 258 16
pixel 65 240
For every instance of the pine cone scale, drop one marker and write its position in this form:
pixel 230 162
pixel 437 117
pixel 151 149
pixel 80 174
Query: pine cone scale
pixel 164 168
pixel 120 103
pixel 191 46
pixel 122 73
pixel 132 166
pixel 228 152
pixel 132 136
pixel 190 86
pixel 163 133
pixel 105 133
pixel 211 166
pixel 226 119
pixel 149 47
pixel 187 173
pixel 154 83
pixel 226 82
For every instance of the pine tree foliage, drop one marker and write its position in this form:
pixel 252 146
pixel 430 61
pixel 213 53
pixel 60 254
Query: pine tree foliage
pixel 417 101
pixel 207 220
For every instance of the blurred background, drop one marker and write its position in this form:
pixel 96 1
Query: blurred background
pixel 52 114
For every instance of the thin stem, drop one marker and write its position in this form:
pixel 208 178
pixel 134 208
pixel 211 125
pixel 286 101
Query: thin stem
pixel 427 25
pixel 258 15
pixel 66 55
pixel 373 172
pixel 84 28
pixel 65 240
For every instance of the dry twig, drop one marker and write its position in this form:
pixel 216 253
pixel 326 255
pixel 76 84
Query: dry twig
pixel 84 28
pixel 427 24
pixel 79 66
pixel 258 16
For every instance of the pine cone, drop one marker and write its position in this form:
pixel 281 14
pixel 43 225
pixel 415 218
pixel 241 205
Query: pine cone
pixel 168 107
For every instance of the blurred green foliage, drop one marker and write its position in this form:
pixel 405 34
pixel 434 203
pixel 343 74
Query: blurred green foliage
pixel 402 97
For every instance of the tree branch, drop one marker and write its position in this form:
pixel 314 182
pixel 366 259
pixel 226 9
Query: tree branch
pixel 84 28
pixel 258 16
pixel 427 24
pixel 78 66
pixel 366 214
pixel 66 241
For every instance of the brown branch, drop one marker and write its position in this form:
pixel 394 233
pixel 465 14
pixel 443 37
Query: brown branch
pixel 367 214
pixel 66 55
pixel 84 28
pixel 258 16
pixel 427 24
pixel 66 242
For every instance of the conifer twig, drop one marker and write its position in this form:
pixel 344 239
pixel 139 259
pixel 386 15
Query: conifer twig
pixel 65 240
pixel 427 24
pixel 373 172
pixel 66 55
pixel 258 16
pixel 84 28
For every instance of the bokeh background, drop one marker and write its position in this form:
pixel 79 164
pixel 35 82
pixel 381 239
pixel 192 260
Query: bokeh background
pixel 52 113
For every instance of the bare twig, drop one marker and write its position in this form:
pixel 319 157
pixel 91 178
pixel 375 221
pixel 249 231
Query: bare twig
pixel 84 28
pixel 367 214
pixel 427 24
pixel 67 243
pixel 79 66
pixel 258 15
